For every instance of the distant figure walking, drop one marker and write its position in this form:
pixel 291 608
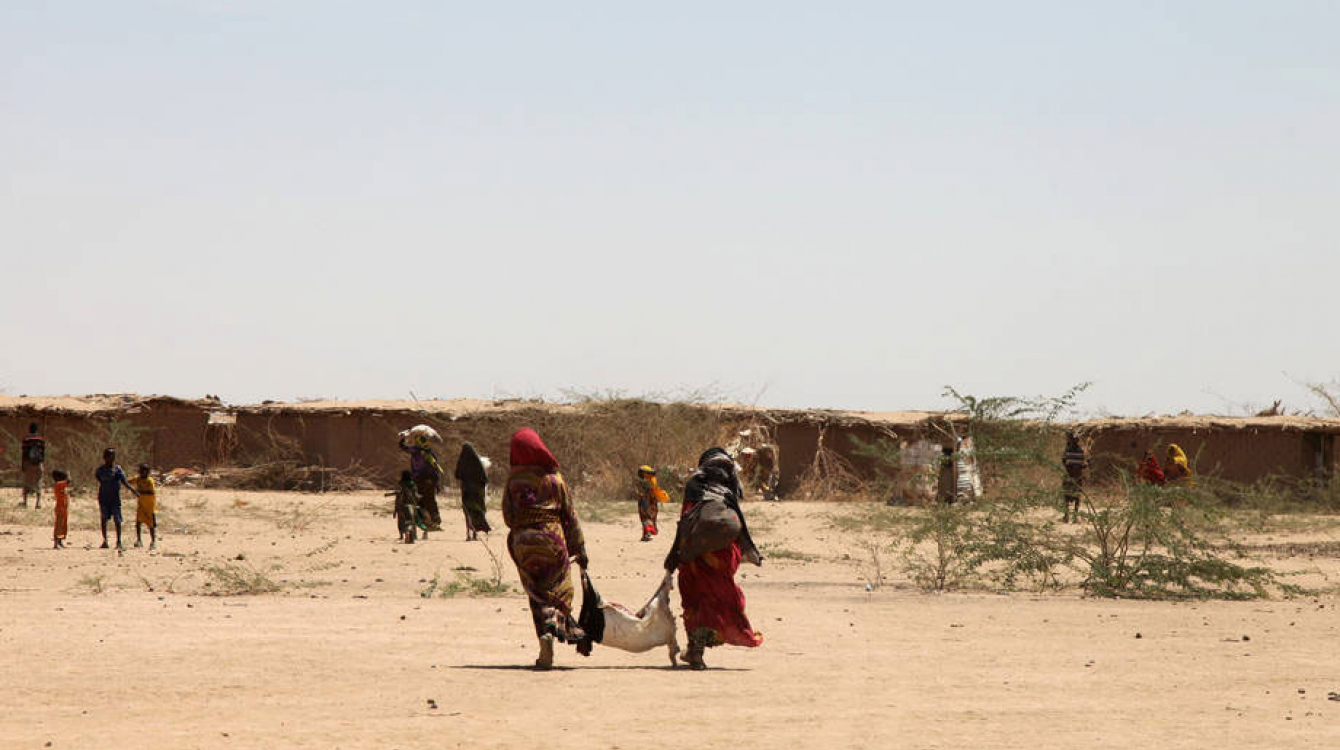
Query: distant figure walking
pixel 111 478
pixel 1075 462
pixel 1179 469
pixel 473 477
pixel 649 498
pixel 711 540
pixel 32 453
pixel 427 474
pixel 1150 472
pixel 545 534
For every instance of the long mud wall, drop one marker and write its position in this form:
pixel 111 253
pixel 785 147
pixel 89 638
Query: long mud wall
pixel 599 444
pixel 1240 455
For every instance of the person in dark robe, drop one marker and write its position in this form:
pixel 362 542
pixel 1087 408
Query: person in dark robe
pixel 710 541
pixel 474 479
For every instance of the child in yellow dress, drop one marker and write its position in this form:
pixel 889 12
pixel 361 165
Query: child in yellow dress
pixel 146 509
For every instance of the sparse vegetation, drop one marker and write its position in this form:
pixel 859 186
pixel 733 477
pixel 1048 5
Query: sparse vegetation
pixel 1134 540
pixel 96 583
pixel 463 582
pixel 237 578
pixel 778 552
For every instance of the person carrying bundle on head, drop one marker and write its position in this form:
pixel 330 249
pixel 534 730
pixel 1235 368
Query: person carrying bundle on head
pixel 425 469
pixel 649 498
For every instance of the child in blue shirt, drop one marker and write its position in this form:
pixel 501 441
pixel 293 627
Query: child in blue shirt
pixel 110 479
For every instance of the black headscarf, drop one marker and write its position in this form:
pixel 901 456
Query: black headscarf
pixel 716 479
pixel 470 468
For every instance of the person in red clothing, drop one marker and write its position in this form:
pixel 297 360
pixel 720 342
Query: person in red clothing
pixel 711 541
pixel 1150 472
pixel 61 491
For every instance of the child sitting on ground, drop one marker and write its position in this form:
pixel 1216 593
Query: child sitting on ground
pixel 408 517
pixel 61 490
pixel 146 509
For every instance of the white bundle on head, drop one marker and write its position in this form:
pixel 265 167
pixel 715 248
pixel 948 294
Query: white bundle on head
pixel 421 431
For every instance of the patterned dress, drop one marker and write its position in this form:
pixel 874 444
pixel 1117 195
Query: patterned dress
pixel 545 534
pixel 649 498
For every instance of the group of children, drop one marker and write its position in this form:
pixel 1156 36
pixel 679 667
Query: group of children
pixel 111 478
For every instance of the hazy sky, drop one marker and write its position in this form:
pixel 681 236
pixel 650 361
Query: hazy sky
pixel 831 204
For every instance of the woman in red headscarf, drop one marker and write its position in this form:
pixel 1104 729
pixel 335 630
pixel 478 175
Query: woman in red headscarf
pixel 544 536
pixel 1150 471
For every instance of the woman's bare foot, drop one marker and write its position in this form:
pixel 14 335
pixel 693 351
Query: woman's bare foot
pixel 546 659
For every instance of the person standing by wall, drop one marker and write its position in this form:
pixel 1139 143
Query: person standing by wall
pixel 1075 462
pixel 946 489
pixel 32 453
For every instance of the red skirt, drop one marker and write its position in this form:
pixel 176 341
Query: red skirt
pixel 713 603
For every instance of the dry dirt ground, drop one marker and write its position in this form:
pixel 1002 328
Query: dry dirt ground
pixel 99 650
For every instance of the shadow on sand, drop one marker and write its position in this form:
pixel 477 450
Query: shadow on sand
pixel 598 667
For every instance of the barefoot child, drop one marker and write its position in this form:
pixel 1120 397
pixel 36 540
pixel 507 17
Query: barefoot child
pixel 60 488
pixel 110 480
pixel 407 515
pixel 146 509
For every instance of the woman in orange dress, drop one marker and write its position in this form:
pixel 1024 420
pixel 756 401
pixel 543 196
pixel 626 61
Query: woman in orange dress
pixel 61 491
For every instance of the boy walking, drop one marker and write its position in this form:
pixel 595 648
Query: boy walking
pixel 146 508
pixel 110 480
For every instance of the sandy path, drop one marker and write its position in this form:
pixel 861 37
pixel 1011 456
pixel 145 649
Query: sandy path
pixel 348 654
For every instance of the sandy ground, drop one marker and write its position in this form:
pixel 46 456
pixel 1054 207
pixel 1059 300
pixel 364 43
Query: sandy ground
pixel 133 651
